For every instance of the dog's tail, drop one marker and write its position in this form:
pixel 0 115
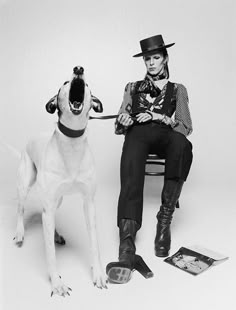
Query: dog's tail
pixel 10 148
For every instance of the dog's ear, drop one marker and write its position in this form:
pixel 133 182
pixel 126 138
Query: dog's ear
pixel 96 104
pixel 51 106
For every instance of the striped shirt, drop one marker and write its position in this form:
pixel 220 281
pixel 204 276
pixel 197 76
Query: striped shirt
pixel 181 119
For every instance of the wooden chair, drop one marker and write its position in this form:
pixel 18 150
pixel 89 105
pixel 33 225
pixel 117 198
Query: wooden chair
pixel 154 159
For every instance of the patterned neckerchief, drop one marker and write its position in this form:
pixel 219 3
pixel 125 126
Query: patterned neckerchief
pixel 157 103
pixel 148 85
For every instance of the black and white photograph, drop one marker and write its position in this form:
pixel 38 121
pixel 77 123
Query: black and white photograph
pixel 117 152
pixel 195 261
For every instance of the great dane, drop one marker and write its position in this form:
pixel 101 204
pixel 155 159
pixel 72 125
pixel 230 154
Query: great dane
pixel 62 164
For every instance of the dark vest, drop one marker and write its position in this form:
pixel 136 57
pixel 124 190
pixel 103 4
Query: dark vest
pixel 168 106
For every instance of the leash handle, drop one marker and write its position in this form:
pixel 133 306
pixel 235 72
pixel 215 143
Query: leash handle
pixel 104 117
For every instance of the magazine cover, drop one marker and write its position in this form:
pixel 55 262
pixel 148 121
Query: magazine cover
pixel 195 259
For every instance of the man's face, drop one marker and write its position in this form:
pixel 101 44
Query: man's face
pixel 155 63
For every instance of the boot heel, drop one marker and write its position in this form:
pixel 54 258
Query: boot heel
pixel 142 267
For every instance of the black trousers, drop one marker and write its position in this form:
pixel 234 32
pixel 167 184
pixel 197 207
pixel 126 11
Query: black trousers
pixel 141 140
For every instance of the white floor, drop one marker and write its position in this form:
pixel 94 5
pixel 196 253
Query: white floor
pixel 206 217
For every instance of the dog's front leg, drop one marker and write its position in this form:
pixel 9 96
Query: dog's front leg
pixel 48 219
pixel 99 277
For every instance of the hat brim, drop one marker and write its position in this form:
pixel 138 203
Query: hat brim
pixel 154 50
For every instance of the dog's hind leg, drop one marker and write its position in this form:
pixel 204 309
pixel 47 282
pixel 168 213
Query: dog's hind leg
pixel 99 278
pixel 25 179
pixel 59 239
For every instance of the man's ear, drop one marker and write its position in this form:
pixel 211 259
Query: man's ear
pixel 51 106
pixel 96 104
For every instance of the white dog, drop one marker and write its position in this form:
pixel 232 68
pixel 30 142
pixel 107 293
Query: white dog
pixel 62 164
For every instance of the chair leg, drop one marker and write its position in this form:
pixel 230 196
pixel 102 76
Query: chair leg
pixel 153 159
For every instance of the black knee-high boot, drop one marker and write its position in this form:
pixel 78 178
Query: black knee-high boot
pixel 120 272
pixel 170 196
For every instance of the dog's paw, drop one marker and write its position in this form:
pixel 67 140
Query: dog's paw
pixel 100 279
pixel 59 288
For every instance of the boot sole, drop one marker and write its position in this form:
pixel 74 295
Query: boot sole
pixel 119 275
pixel 161 254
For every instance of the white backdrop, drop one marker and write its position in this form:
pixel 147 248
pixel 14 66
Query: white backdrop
pixel 41 41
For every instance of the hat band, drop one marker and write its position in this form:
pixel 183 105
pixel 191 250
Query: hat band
pixel 153 47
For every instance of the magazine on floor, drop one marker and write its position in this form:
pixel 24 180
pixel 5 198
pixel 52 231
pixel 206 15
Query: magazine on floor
pixel 195 259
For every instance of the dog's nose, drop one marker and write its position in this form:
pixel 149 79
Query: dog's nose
pixel 78 70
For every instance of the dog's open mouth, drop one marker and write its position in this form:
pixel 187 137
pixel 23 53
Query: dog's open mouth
pixel 76 95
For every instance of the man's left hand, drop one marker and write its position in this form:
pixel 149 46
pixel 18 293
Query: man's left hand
pixel 143 117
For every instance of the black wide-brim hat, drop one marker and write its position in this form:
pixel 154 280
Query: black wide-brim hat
pixel 152 45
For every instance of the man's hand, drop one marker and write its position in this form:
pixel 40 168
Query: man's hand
pixel 125 119
pixel 167 120
pixel 163 118
pixel 144 117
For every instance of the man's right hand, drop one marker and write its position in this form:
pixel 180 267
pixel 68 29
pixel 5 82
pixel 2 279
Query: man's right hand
pixel 125 119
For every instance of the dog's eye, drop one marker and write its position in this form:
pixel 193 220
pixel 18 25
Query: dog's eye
pixel 66 82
